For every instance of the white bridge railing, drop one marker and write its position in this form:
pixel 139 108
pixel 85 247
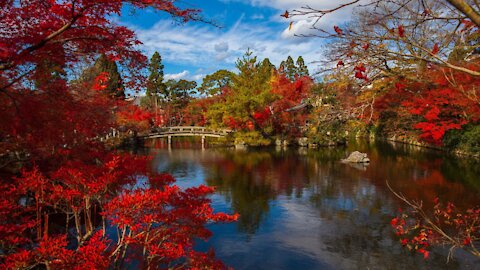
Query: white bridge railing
pixel 191 129
pixel 185 131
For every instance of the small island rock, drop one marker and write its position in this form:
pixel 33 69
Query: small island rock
pixel 357 157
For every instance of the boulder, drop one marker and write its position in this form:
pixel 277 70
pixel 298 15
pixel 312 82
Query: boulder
pixel 303 142
pixel 357 157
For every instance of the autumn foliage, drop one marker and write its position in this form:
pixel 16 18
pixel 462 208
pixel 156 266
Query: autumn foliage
pixel 65 196
pixel 434 104
pixel 448 226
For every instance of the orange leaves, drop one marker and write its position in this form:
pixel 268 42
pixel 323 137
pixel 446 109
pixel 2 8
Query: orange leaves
pixel 286 14
pixel 435 49
pixel 338 30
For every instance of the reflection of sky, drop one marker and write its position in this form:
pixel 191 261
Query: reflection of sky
pixel 340 220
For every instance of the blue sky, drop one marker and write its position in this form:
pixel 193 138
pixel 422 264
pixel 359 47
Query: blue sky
pixel 195 49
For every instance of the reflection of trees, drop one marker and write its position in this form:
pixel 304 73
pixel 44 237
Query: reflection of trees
pixel 251 179
pixel 469 169
pixel 353 207
pixel 248 199
pixel 422 174
pixel 241 182
pixel 356 227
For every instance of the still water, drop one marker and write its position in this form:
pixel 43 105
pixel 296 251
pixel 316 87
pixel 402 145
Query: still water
pixel 303 209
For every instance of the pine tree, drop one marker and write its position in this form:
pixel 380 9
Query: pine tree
pixel 212 84
pixel 301 67
pixel 251 92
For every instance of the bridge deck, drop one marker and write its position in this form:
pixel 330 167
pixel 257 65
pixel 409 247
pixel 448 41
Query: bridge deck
pixel 183 131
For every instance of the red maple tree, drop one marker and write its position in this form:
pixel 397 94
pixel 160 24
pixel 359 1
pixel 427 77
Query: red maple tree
pixel 63 190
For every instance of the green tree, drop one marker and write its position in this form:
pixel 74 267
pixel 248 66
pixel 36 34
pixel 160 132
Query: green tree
pixel 48 73
pixel 177 96
pixel 302 69
pixel 290 69
pixel 115 87
pixel 212 84
pixel 181 90
pixel 251 92
pixel 155 85
pixel 282 67
pixel 267 64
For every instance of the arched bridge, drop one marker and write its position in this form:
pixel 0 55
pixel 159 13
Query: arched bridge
pixel 185 131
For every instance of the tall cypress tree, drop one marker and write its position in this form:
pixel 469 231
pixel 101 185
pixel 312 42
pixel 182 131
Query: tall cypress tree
pixel 282 67
pixel 290 68
pixel 267 64
pixel 301 67
pixel 156 85
pixel 115 87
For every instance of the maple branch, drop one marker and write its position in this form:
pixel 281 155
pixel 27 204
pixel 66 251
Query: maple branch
pixel 466 9
pixel 5 87
pixel 418 207
pixel 446 63
pixel 53 35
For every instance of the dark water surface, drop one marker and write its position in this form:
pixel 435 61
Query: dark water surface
pixel 303 209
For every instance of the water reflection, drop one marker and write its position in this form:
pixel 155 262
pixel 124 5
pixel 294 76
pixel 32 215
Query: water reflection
pixel 303 209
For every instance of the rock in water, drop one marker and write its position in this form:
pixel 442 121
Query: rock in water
pixel 357 157
pixel 302 142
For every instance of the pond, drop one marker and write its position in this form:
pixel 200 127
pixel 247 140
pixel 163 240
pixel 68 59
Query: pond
pixel 303 209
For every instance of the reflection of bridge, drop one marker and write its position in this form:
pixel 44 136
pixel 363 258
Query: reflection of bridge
pixel 186 131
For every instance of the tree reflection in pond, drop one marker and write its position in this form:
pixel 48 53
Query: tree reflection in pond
pixel 304 209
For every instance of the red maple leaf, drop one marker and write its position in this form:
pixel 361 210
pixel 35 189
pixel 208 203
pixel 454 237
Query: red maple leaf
pixel 338 30
pixel 436 49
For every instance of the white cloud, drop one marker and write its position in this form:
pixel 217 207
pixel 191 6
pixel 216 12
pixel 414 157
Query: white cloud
pixel 177 76
pixel 292 4
pixel 337 17
pixel 198 77
pixel 207 48
pixel 201 46
pixel 221 47
pixel 257 17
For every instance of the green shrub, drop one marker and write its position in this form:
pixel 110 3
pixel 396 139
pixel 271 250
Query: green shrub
pixel 465 140
pixel 471 140
pixel 251 138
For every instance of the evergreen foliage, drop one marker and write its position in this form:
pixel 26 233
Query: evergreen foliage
pixel 290 69
pixel 302 69
pixel 212 84
pixel 114 85
pixel 155 83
